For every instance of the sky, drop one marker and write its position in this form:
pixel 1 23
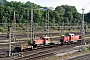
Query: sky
pixel 79 4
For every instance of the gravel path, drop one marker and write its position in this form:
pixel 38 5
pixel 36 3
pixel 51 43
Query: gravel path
pixel 80 57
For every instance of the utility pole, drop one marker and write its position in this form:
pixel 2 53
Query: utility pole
pixel 28 25
pixel 62 30
pixel 70 22
pixel 83 30
pixel 14 37
pixel 14 19
pixel 9 40
pixel 48 22
pixel 32 33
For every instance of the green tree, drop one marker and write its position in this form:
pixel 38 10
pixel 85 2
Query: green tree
pixel 60 9
pixel 87 17
pixel 2 2
pixel 23 13
pixel 69 8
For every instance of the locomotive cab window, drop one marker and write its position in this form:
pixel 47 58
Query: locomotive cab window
pixel 71 35
pixel 46 38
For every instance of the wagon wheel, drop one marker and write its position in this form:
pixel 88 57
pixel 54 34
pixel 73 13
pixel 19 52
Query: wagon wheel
pixel 79 41
pixel 62 42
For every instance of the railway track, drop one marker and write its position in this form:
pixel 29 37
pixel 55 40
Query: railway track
pixel 18 36
pixel 34 55
pixel 38 54
pixel 41 53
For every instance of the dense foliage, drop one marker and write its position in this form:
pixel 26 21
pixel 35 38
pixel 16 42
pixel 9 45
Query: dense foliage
pixel 2 1
pixel 63 13
pixel 87 17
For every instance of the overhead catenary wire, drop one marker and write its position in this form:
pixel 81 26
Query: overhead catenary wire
pixel 86 5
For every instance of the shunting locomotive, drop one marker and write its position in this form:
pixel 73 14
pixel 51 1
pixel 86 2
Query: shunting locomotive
pixel 46 41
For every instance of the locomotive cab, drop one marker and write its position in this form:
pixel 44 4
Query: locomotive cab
pixel 47 40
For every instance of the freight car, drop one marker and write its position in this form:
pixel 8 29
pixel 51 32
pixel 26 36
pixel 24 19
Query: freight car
pixel 70 38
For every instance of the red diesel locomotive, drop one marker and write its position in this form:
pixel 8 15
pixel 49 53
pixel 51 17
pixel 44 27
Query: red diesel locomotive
pixel 70 38
pixel 42 41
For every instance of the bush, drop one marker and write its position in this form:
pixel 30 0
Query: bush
pixel 29 42
pixel 1 30
pixel 84 49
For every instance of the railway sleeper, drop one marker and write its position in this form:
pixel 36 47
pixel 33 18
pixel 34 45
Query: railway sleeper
pixel 17 54
pixel 32 54
pixel 25 56
pixel 2 55
pixel 38 56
